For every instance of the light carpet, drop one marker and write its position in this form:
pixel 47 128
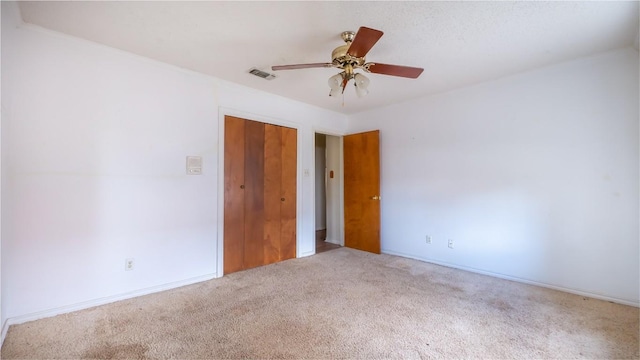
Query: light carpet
pixel 340 304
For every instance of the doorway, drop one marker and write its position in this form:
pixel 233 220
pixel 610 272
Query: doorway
pixel 328 192
pixel 347 191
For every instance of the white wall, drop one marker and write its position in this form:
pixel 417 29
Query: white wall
pixel 335 198
pixel 10 20
pixel 96 172
pixel 534 177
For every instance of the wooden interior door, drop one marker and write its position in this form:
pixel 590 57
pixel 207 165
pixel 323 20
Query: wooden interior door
pixel 362 191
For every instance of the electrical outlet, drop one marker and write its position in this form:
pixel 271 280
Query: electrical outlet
pixel 428 239
pixel 450 244
pixel 128 264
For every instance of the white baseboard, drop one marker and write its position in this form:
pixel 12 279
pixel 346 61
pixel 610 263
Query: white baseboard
pixel 333 241
pixel 97 302
pixel 307 253
pixel 5 328
pixel 516 279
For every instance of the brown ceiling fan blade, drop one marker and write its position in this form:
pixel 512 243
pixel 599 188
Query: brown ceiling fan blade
pixel 395 70
pixel 300 66
pixel 363 42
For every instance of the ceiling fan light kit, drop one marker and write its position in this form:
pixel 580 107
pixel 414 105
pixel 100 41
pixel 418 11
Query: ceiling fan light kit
pixel 361 83
pixel 335 83
pixel 351 57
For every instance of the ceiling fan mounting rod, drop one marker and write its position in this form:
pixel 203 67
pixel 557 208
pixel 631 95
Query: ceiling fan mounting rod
pixel 348 36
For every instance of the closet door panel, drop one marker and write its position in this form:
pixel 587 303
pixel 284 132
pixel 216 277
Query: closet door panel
pixel 288 193
pixel 234 219
pixel 254 195
pixel 272 196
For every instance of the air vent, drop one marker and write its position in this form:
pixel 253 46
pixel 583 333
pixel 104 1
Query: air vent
pixel 262 74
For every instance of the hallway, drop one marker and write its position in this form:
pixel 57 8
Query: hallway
pixel 321 245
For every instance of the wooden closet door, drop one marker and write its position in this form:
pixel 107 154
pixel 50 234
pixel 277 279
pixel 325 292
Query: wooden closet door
pixel 234 220
pixel 288 193
pixel 260 194
pixel 272 193
pixel 254 194
pixel 280 193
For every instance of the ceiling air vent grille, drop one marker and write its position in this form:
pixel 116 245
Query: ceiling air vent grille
pixel 262 74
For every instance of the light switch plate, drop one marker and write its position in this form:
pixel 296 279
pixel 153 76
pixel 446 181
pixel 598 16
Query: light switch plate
pixel 194 165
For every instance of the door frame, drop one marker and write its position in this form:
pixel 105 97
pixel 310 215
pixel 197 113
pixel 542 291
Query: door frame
pixel 225 111
pixel 341 136
pixel 340 204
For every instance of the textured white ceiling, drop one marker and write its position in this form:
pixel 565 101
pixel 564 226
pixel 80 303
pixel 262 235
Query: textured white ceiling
pixel 457 43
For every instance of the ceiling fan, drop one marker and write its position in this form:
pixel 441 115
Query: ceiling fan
pixel 351 57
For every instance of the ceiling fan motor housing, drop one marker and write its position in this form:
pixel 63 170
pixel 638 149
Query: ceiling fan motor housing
pixel 340 58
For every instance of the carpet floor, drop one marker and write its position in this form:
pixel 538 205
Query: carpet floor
pixel 340 304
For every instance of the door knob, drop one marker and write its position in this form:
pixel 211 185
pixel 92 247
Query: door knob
pixel 376 197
